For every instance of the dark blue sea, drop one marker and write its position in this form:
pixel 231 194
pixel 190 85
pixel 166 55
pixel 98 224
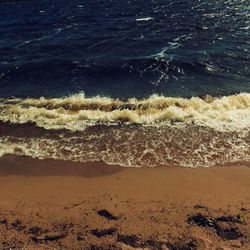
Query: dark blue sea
pixel 128 82
pixel 125 48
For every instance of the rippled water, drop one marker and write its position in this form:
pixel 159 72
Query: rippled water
pixel 124 48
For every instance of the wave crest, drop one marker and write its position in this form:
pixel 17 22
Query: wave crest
pixel 76 112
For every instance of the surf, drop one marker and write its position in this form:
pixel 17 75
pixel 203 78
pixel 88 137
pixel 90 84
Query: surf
pixel 76 112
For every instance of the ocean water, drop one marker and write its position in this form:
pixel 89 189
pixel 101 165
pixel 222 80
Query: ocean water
pixel 129 82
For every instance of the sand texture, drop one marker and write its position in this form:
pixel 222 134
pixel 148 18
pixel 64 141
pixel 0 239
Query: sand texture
pixel 47 204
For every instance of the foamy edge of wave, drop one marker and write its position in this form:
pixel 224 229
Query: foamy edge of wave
pixel 76 112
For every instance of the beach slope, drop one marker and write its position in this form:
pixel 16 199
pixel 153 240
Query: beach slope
pixel 66 205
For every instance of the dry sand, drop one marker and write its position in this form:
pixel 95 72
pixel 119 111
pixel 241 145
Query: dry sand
pixel 47 204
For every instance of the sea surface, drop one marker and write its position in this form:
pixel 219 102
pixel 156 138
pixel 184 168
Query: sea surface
pixel 129 82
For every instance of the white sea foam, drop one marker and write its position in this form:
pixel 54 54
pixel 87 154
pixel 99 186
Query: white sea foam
pixel 127 146
pixel 143 19
pixel 76 112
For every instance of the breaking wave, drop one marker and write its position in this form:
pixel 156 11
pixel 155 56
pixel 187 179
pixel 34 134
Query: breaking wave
pixel 76 112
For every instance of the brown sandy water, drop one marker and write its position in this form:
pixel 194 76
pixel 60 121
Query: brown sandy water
pixel 129 145
pixel 155 131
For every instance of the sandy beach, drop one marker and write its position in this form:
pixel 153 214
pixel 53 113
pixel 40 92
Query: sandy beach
pixel 48 204
pixel 124 125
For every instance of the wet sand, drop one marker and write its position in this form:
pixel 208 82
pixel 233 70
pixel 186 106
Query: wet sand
pixel 48 204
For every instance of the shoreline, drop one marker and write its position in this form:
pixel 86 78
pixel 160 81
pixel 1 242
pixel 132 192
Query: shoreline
pixel 27 166
pixel 152 208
